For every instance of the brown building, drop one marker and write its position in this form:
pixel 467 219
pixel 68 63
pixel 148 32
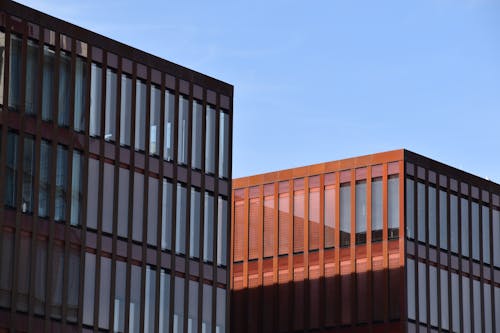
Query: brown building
pixel 389 242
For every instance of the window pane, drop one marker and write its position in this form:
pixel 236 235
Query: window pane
pixel 138 206
pixel 108 194
pixel 32 71
pixel 314 219
pixel 221 311
pixel 123 196
pixel 178 305
pixel 254 229
pixel 410 209
pixel 433 296
pixel 208 234
pixel 476 238
pixel 464 207
pixel 40 273
pixel 488 315
pixel 76 188
pixel 166 217
pixel 120 289
pixel 268 225
pixel 476 291
pixel 140 115
pixel 57 271
pixel 496 236
pixel 152 210
pixel 15 72
pixel 497 306
pixel 180 226
pixel 206 326
pixel 345 215
pixel 329 216
pixel 149 304
pixel 193 307
pixel 410 280
pixel 283 223
pixel 422 292
pixel 88 289
pixel 224 145
pixel 393 206
pixel 110 112
pixel 164 319
pixel 135 299
pixel 298 221
pixel 48 83
pixel 168 145
pixel 443 220
pixel 432 216
pixel 210 140
pixel 444 299
pixel 104 292
pixel 7 256
pixel 154 121
pixel 222 232
pixel 455 302
pixel 196 148
pixel 11 170
pixel 2 62
pixel 23 273
pixel 194 223
pixel 80 94
pixel 486 234
pixel 28 175
pixel 466 304
pixel 95 99
pixel 453 223
pixel 421 208
pixel 125 110
pixel 361 212
pixel 45 170
pixel 64 89
pixel 182 152
pixel 61 183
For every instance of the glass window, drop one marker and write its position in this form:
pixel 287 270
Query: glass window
pixel 15 72
pixel 7 256
pixel 444 299
pixel 488 316
pixel 377 225
pixel 476 291
pixel 345 215
pixel 206 325
pixel 32 71
pixel 88 289
pixel 140 115
pixel 108 194
pixel 422 292
pixel 152 211
pixel 28 175
pixel 433 296
pixel 135 299
pixel 313 212
pixel 254 228
pixel 466 304
pixel 180 218
pixel 110 112
pixel 61 182
pixel 298 221
pixel 2 61
pixel 421 209
pixel 193 307
pixel 57 270
pixel 443 220
pixel 208 226
pixel 361 212
pixel 95 99
pixel 23 272
pixel 210 140
pixel 64 89
pixel 268 235
pixel 222 232
pixel 329 216
pixel 48 103
pixel 464 208
pixel 80 94
pixel 149 304
pixel 486 234
pixel 196 139
pixel 40 273
pixel 182 144
pixel 123 197
pixel 454 223
pixel 104 292
pixel 164 318
pixel 138 206
pixel 166 216
pixel 11 170
pixel 178 305
pixel 194 223
pixel 476 238
pixel 455 302
pixel 496 236
pixel 120 290
pixel 125 110
pixel 224 145
pixel 221 311
pixel 393 206
pixel 432 216
pixel 154 121
pixel 497 306
pixel 283 223
pixel 76 188
pixel 45 170
pixel 73 271
pixel 168 145
pixel 410 209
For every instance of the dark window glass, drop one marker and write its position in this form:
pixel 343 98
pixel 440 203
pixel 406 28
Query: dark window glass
pixel 57 271
pixel 208 234
pixel 152 211
pixel 455 302
pixel 61 183
pixel 15 72
pixel 421 209
pixel 433 296
pixel 443 220
pixel 45 183
pixel 196 143
pixel 2 62
pixel 488 315
pixel 193 307
pixel 11 170
pixel 222 232
pixel 496 236
pixel 345 215
pixel 108 194
pixel 497 306
pixel 7 256
pixel 135 299
pixel 154 121
pixel 182 144
pixel 486 234
pixel 180 220
pixel 138 206
pixel 76 188
pixel 178 305
pixel 377 225
pixel 206 325
pixel 410 209
pixel 298 221
pixel 464 208
pixel 64 89
pixel 166 215
pixel 48 102
pixel 194 225
pixel 476 237
pixel 28 175
pixel 361 212
pixel 224 145
pixel 73 284
pixel 210 140
pixel 140 115
pixel 329 216
pixel 466 304
pixel 95 99
pixel 168 146
pixel 314 227
pixel 454 223
pixel 40 273
pixel 80 94
pixel 444 300
pixel 110 112
pixel 88 289
pixel 422 292
pixel 220 319
pixel 432 216
pixel 410 289
pixel 149 304
pixel 125 110
pixel 120 289
pixel 123 195
pixel 164 319
pixel 32 73
pixel 476 292
pixel 92 193
pixel 393 206
pixel 23 273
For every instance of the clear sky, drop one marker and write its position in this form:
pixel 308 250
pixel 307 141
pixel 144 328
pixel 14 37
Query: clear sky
pixel 317 81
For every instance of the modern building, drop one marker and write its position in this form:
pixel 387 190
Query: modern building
pixel 389 242
pixel 115 178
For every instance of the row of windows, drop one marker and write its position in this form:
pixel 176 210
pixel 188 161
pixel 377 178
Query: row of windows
pixel 470 299
pixel 330 208
pixel 463 216
pixel 196 294
pixel 160 225
pixel 117 92
pixel 61 184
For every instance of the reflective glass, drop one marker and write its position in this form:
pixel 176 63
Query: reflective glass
pixel 410 209
pixel 393 206
pixel 166 216
pixel 110 111
pixel 41 278
pixel 422 292
pixel 104 292
pixel 140 115
pixel 222 232
pixel 2 62
pixel 466 304
pixel 210 140
pixel 135 299
pixel 64 107
pixel 193 307
pixel 164 318
pixel 488 315
pixel 178 305
pixel 345 215
pixel 421 209
pixel 80 94
pixel 168 128
pixel 88 289
pixel 361 212
pixel 154 121
pixel 6 257
pixel 433 296
pixel 28 175
pixel 221 311
pixel 208 234
pixel 443 220
pixel 496 236
pixel 76 188
pixel 15 68
pixel 298 222
pixel 206 325
pixel 180 225
pixel 108 194
pixel 194 223
pixel 476 292
pixel 314 227
pixel 120 294
pixel 486 234
pixel 23 272
pixel 61 183
pixel 224 145
pixel 125 110
pixel 432 216
pixel 377 225
pixel 476 236
pixel 329 216
pixel 149 304
pixel 45 170
pixel 11 170
pixel 95 99
pixel 48 103
pixel 32 71
pixel 123 197
pixel 182 138
pixel 464 208
pixel 453 223
pixel 444 299
pixel 196 137
pixel 138 206
pixel 455 302
pixel 153 203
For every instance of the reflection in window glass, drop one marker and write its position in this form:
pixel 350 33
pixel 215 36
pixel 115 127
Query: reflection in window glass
pixel 443 220
pixel 476 292
pixel 166 216
pixel 110 111
pixel 178 305
pixel 123 193
pixel 45 170
pixel 125 110
pixel 154 121
pixel 432 216
pixel 88 289
pixel 497 306
pixel 80 94
pixel 298 221
pixel 15 69
pixel 95 99
pixel 108 194
pixel 329 216
pixel 345 215
pixel 196 139
pixel 11 170
pixel 283 223
pixel 180 218
pixel 314 228
pixel 32 71
pixel 486 234
pixel 466 304
pixel 48 83
pixel 76 188
pixel 140 115
pixel 410 206
pixel 488 324
pixel 421 208
pixel 444 299
pixel 224 145
pixel 210 140
pixel 433 296
pixel 193 307
pixel 104 292
pixel 182 151
pixel 222 232
pixel 28 175
pixel 2 60
pixel 208 233
pixel 152 211
pixel 476 237
pixel 206 325
pixel 149 304
pixel 194 223
pixel 221 311
pixel 168 128
pixel 120 290
pixel 138 206
pixel 464 208
pixel 377 225
pixel 64 89
pixel 61 183
pixel 135 299
pixel 360 212
pixel 455 302
pixel 422 292
pixel 268 236
pixel 454 223
pixel 393 206
pixel 164 317
pixel 496 236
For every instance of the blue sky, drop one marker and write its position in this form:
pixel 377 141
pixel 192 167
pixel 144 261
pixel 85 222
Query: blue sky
pixel 317 81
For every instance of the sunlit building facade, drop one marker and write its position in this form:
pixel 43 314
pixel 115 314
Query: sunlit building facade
pixel 389 242
pixel 115 179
